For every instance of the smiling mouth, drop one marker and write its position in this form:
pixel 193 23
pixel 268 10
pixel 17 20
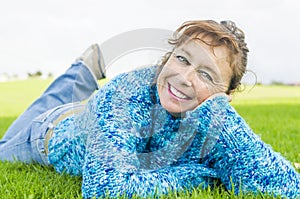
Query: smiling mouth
pixel 177 94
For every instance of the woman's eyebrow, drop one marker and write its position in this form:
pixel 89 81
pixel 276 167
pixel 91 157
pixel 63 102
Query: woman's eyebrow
pixel 211 70
pixel 208 65
pixel 186 52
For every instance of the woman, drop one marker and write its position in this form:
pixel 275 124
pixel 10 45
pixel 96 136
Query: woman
pixel 155 129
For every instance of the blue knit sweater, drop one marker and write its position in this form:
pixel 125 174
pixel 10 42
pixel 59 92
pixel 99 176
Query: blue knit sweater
pixel 126 143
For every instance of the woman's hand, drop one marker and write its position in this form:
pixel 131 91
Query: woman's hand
pixel 228 96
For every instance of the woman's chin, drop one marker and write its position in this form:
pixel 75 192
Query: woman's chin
pixel 175 111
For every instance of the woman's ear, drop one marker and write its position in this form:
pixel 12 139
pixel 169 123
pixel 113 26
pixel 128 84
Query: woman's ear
pixel 230 94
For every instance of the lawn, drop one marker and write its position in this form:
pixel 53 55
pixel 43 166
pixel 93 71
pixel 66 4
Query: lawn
pixel 271 111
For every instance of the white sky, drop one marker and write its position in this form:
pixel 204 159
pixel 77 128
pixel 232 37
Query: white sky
pixel 48 35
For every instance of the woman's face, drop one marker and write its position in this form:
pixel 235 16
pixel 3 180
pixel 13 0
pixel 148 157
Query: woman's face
pixel 193 72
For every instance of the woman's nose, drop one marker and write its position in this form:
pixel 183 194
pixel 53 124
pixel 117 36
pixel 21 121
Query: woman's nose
pixel 188 75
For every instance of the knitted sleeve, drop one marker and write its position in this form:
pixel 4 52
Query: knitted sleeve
pixel 112 165
pixel 244 163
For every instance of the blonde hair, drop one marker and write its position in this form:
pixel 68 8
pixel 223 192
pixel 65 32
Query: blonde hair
pixel 224 33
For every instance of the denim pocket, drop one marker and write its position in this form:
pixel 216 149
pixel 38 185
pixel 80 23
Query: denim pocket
pixel 40 127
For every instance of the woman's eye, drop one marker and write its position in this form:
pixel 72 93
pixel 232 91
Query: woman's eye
pixel 183 59
pixel 206 76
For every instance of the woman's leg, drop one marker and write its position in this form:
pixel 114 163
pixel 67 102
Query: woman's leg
pixel 24 140
pixel 76 84
pixel 28 144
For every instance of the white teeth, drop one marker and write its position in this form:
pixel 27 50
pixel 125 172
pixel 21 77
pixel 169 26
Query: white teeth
pixel 177 93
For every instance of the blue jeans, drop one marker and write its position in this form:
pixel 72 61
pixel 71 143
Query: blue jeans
pixel 25 138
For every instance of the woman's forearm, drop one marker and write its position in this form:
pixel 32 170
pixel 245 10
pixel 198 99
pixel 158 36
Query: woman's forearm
pixel 243 161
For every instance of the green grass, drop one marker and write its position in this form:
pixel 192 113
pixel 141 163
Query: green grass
pixel 271 111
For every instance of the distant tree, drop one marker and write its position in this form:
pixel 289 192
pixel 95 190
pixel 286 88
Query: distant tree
pixel 277 83
pixel 50 75
pixel 4 77
pixel 36 74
